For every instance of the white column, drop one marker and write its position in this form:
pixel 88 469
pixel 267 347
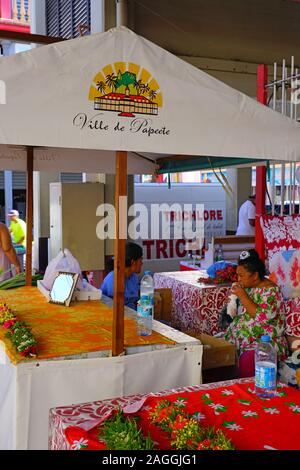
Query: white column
pixel 38 17
pixel 240 181
pixel 41 209
pixel 122 12
pixel 97 16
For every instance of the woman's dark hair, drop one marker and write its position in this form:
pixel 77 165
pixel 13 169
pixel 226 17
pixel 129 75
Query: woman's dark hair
pixel 133 253
pixel 251 261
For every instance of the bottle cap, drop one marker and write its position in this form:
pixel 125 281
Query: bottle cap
pixel 265 338
pixel 147 273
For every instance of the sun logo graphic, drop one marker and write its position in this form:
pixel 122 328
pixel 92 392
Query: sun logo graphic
pixel 127 89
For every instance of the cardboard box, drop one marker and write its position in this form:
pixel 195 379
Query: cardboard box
pixel 163 304
pixel 216 351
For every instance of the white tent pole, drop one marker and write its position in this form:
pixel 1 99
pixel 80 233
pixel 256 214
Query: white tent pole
pixel 273 189
pixel 274 85
pixel 291 87
pixel 293 185
pixel 282 187
pixel 283 111
pixel 296 106
pixel 283 88
pixel 290 188
pixel 291 116
pixel 122 12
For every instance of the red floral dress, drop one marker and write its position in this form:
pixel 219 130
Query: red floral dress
pixel 245 332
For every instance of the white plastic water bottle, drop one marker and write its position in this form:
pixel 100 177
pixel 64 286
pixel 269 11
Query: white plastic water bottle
pixel 144 316
pixel 265 368
pixel 147 287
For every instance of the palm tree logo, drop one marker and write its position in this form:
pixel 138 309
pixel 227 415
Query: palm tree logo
pixel 111 81
pixel 126 91
pixel 101 86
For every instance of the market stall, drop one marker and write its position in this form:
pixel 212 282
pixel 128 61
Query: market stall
pixel 231 407
pixel 74 363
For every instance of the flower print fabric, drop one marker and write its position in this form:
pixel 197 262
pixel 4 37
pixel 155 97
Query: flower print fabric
pixel 245 332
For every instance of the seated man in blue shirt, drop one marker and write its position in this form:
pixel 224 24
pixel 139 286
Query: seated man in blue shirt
pixel 133 266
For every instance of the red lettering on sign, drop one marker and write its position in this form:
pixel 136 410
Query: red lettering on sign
pixel 219 215
pixel 206 215
pixel 171 245
pixel 161 248
pixel 181 253
pixel 148 244
pixel 212 215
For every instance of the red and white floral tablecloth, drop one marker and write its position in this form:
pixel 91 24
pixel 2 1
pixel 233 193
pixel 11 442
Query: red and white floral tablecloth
pixel 249 421
pixel 196 306
pixel 85 414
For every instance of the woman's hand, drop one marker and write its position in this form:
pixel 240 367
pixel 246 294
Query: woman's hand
pixel 238 290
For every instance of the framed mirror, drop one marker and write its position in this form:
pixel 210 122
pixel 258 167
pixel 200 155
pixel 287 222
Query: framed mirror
pixel 62 288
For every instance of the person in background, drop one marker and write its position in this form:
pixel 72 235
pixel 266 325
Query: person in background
pixel 246 224
pixel 262 310
pixel 8 254
pixel 133 266
pixel 17 228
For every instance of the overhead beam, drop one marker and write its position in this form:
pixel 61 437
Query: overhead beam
pixel 28 37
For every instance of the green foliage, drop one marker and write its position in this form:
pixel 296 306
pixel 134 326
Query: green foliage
pixel 126 78
pixel 122 433
pixel 21 336
pixel 18 281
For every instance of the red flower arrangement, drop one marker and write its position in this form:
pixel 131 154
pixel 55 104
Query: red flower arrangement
pixel 185 432
pixel 222 276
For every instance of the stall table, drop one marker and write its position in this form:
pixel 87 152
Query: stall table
pixel 195 306
pixel 189 266
pixel 74 363
pixel 249 421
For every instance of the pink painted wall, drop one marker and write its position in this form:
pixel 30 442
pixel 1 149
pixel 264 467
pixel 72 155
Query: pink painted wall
pixel 5 9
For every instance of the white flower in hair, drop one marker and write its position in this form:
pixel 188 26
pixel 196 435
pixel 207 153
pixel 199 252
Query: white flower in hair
pixel 244 255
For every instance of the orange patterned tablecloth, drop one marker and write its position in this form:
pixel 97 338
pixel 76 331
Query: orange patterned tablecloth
pixel 65 331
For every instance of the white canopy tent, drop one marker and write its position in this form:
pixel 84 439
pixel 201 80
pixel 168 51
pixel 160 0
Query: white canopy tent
pixel 66 96
pixel 72 105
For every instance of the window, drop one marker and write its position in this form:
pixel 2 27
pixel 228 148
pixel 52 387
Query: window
pixel 64 16
pixel 71 177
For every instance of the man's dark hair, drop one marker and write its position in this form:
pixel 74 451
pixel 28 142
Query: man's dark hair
pixel 133 252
